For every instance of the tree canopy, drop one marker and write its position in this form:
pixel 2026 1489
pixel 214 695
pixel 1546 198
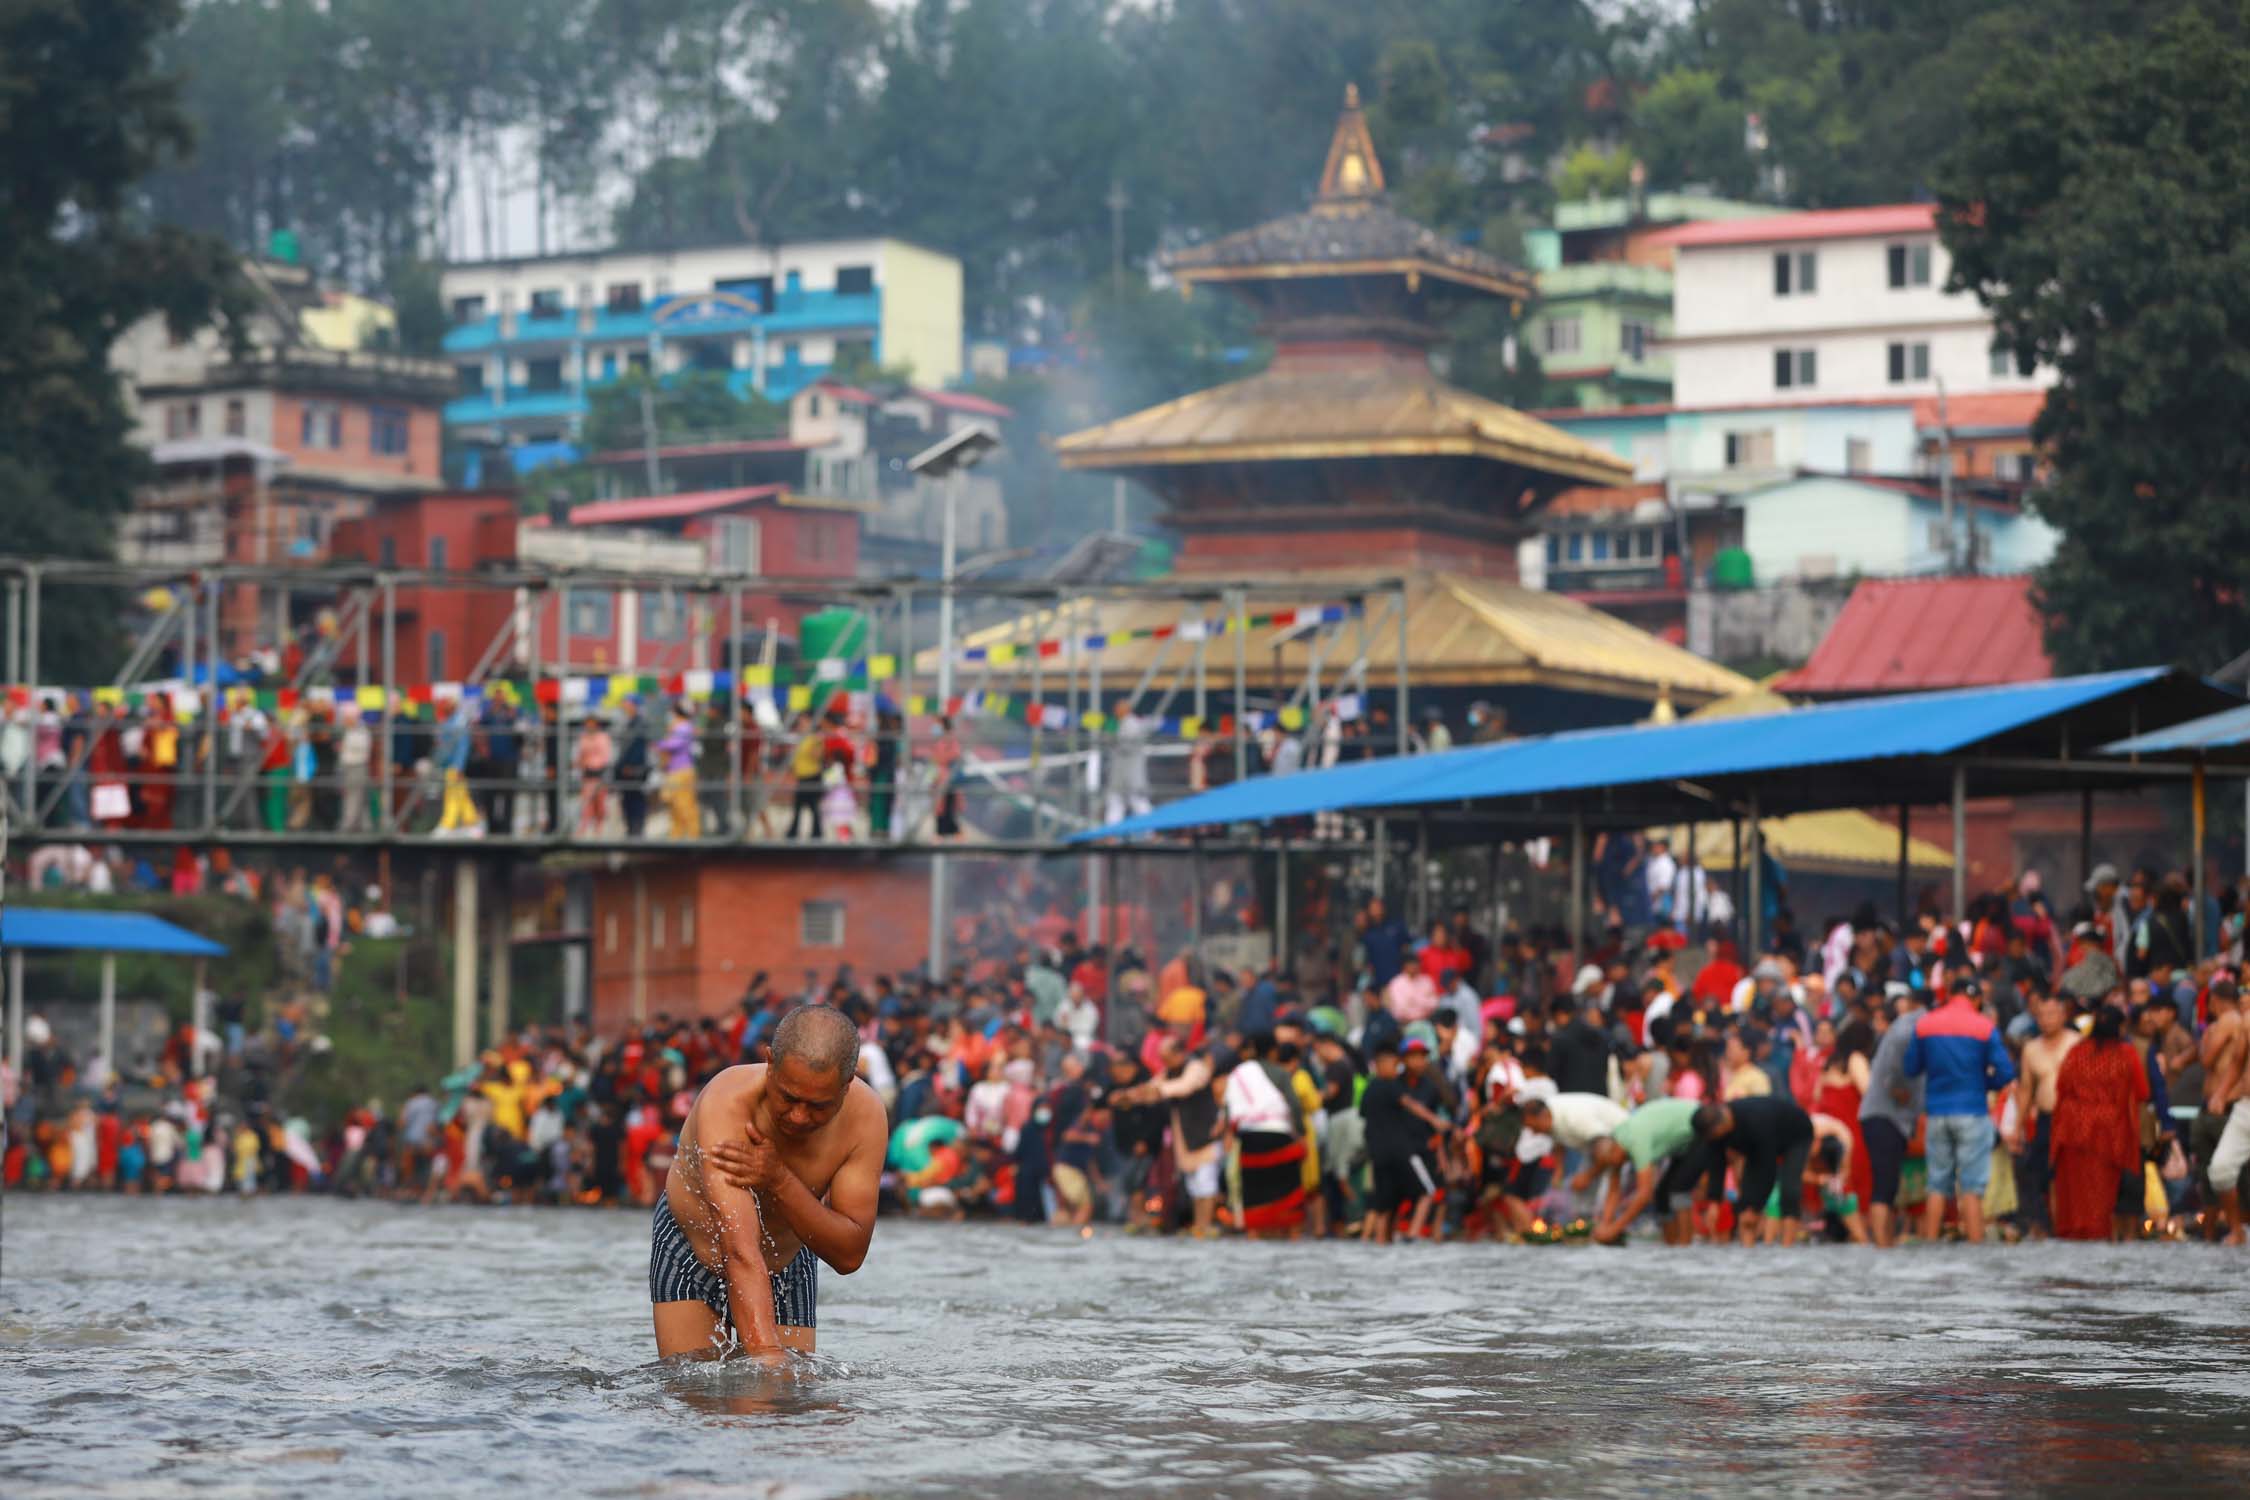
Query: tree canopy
pixel 2097 203
pixel 84 115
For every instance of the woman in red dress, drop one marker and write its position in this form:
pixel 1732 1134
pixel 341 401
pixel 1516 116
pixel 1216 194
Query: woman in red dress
pixel 2099 1092
pixel 1843 1083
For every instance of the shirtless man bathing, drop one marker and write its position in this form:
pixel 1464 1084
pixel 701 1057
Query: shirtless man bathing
pixel 778 1166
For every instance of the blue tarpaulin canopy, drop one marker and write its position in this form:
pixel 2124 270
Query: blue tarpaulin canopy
pixel 2036 736
pixel 100 932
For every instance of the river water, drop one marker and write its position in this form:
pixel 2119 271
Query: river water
pixel 315 1347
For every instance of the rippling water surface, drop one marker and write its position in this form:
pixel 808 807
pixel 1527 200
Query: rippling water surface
pixel 315 1347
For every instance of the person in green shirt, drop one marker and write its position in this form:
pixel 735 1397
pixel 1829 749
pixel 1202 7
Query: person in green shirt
pixel 1659 1140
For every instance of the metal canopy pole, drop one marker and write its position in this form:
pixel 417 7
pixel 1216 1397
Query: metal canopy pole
pixel 1282 952
pixel 1422 871
pixel 2086 837
pixel 110 1069
pixel 1960 842
pixel 15 1010
pixel 390 706
pixel 31 675
pixel 1902 865
pixel 1238 625
pixel 1401 672
pixel 2197 793
pixel 737 827
pixel 1757 913
pixel 1735 878
pixel 1577 888
pixel 211 726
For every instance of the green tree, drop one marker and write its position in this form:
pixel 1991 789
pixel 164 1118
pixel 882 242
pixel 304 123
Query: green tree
pixel 1686 130
pixel 2096 203
pixel 84 115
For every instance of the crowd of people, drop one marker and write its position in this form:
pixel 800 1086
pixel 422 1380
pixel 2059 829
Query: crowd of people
pixel 630 769
pixel 2008 1075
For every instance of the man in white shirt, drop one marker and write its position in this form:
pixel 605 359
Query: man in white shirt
pixel 355 749
pixel 1661 872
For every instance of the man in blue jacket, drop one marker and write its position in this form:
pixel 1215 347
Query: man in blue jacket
pixel 1958 1048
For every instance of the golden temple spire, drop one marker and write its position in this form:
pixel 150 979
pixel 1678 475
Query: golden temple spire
pixel 1353 170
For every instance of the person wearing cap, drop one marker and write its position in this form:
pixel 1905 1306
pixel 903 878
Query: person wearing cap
pixel 1957 1048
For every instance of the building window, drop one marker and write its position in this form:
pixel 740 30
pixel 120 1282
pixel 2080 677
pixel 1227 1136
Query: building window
pixel 2003 361
pixel 1634 338
pixel 590 614
pixel 1574 547
pixel 734 545
pixel 1910 266
pixel 855 351
pixel 656 927
pixel 437 554
pixel 637 361
pixel 1858 456
pixel 1554 549
pixel 1793 369
pixel 436 654
pixel 1750 450
pixel 1561 336
pixel 820 924
pixel 386 552
pixel 183 419
pixel 609 932
pixel 1795 273
pixel 543 374
pixel 854 281
pixel 547 302
pixel 812 405
pixel 1909 362
pixel 470 378
pixel 321 425
pixel 467 309
pixel 625 297
pixel 1597 546
pixel 386 429
pixel 687 924
pixel 238 417
pixel 663 617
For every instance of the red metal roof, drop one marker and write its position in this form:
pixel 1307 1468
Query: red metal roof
pixel 1602 500
pixel 843 392
pixel 1821 224
pixel 1909 635
pixel 1999 411
pixel 974 405
pixel 671 507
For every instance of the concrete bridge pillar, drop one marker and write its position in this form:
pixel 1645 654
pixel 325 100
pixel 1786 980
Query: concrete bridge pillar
pixel 464 962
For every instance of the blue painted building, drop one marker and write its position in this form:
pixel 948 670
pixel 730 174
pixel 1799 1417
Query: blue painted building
pixel 532 337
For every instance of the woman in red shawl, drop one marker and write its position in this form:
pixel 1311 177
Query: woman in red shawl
pixel 2097 1138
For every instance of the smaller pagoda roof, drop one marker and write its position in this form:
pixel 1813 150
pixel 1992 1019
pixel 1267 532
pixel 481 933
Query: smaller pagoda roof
pixel 1328 412
pixel 1348 231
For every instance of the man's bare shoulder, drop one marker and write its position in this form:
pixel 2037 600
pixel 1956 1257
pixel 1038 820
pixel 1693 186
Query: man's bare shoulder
pixel 865 1118
pixel 733 1089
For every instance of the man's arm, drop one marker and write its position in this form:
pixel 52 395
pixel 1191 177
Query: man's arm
pixel 742 1245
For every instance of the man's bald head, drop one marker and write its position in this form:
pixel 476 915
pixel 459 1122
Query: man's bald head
pixel 822 1037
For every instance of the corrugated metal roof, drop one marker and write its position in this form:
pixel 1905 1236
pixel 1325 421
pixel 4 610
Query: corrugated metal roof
pixel 1460 632
pixel 670 507
pixel 100 932
pixel 1826 737
pixel 1916 634
pixel 1319 413
pixel 1347 236
pixel 2226 730
pixel 1818 224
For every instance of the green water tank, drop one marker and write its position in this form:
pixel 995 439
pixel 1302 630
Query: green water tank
pixel 281 245
pixel 1730 569
pixel 829 633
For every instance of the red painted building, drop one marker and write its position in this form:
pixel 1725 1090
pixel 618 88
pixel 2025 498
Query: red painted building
pixel 441 632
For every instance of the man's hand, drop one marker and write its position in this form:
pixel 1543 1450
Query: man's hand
pixel 751 1163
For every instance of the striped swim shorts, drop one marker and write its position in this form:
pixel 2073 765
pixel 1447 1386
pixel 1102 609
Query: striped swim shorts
pixel 677 1274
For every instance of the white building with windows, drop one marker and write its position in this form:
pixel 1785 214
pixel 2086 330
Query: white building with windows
pixel 1839 304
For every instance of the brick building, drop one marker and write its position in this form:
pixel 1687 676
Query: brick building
pixel 684 937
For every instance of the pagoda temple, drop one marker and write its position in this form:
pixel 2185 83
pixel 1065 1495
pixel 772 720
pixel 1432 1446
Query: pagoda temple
pixel 1348 451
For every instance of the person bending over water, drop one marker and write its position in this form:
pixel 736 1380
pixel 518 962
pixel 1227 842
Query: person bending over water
pixel 778 1164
